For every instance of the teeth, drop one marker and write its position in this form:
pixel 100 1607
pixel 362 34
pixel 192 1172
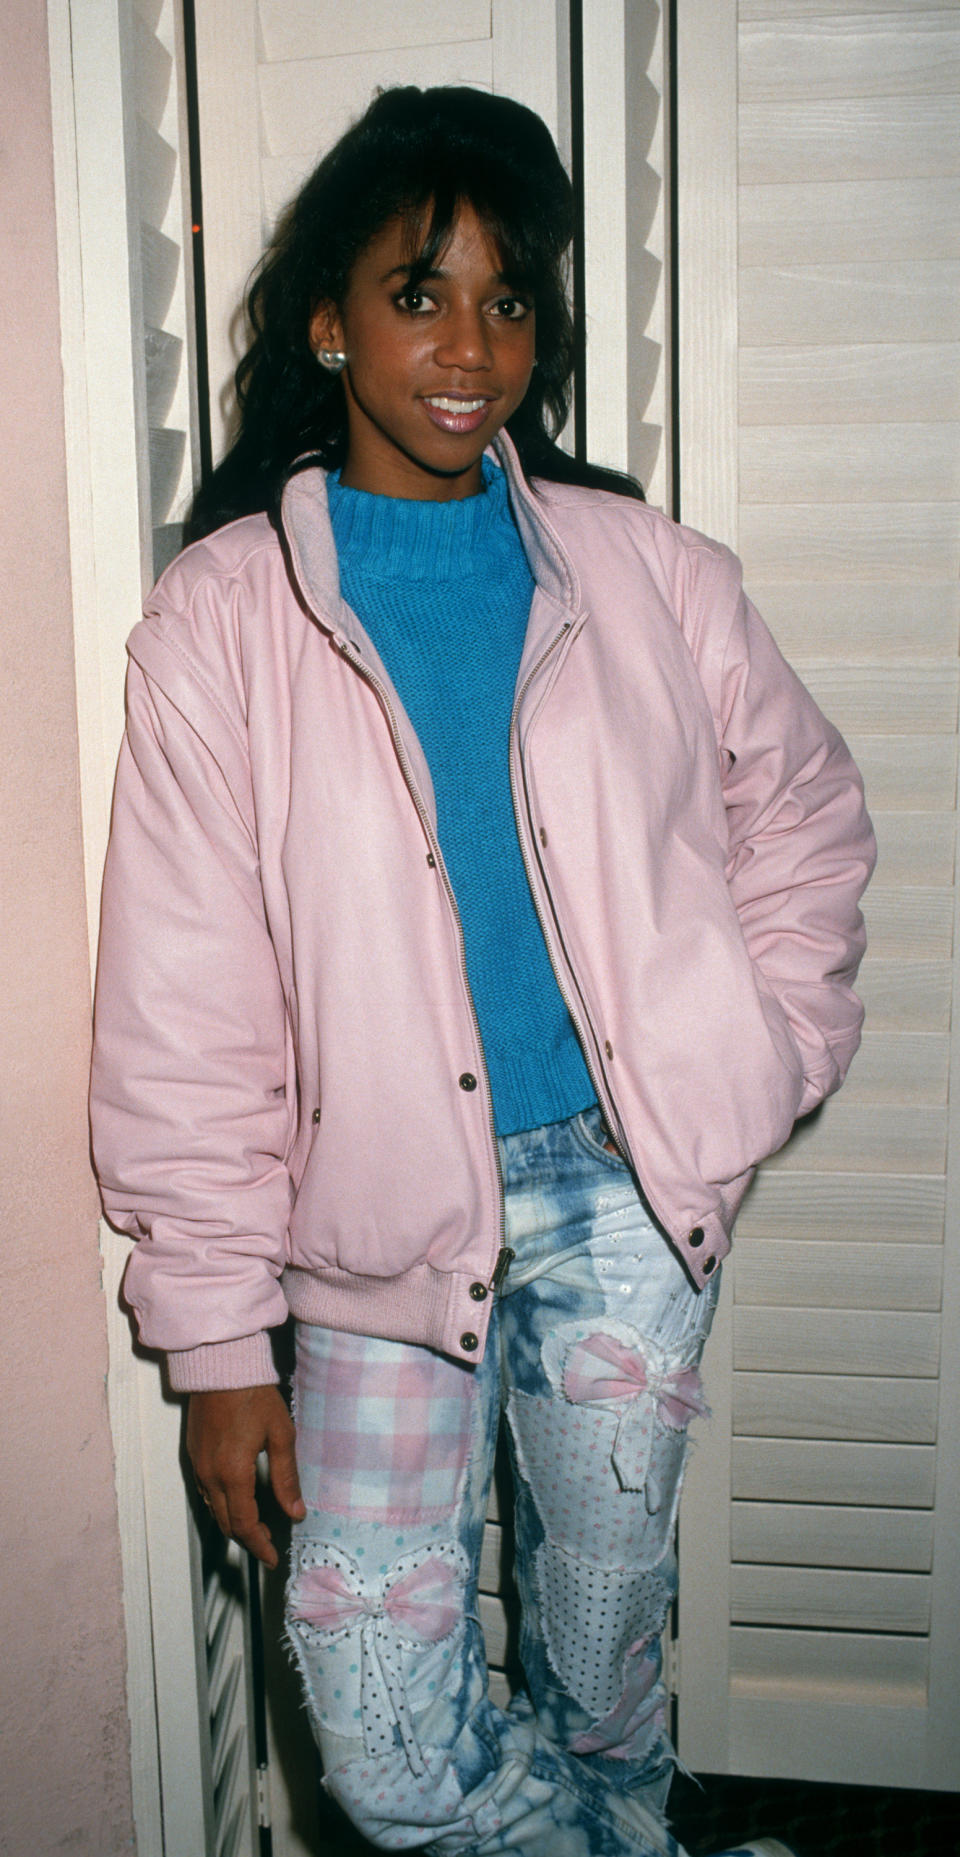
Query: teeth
pixel 445 405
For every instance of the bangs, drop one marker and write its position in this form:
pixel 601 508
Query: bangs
pixel 429 222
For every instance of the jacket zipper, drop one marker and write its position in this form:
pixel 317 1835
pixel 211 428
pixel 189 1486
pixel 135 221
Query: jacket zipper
pixel 348 650
pixel 505 1258
pixel 554 939
pixel 551 934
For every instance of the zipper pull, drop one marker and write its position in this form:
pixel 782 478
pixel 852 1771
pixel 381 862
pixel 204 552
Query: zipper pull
pixel 503 1263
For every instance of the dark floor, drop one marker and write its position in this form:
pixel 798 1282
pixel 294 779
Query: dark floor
pixel 813 1821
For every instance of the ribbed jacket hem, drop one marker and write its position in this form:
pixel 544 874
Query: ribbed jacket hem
pixel 426 1307
pixel 219 1366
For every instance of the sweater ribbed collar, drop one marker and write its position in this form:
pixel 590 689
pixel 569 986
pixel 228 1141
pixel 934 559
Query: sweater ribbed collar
pixel 407 539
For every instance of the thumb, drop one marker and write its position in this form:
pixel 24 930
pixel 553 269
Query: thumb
pixel 284 1479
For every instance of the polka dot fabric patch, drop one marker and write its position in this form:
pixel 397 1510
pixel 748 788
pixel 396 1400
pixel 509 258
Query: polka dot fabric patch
pixel 591 1617
pixel 565 1454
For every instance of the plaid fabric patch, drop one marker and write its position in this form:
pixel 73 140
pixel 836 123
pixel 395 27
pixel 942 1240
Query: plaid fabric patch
pixel 383 1427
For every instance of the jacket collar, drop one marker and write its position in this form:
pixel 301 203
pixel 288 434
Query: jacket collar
pixel 309 538
pixel 550 564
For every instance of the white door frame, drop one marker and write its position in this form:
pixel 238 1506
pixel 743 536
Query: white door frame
pixel 109 553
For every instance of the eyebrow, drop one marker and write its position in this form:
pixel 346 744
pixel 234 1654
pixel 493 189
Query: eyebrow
pixel 412 269
pixel 406 270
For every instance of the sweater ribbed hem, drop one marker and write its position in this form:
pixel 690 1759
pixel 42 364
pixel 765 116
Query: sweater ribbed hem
pixel 222 1366
pixel 532 1088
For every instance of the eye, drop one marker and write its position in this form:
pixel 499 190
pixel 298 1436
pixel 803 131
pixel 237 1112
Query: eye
pixel 413 301
pixel 512 309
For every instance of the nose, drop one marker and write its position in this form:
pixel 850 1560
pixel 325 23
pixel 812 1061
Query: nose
pixel 464 341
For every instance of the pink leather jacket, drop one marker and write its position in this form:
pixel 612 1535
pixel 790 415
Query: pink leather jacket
pixel 290 1107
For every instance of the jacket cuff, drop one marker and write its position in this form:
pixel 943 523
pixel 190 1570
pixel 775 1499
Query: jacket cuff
pixel 220 1366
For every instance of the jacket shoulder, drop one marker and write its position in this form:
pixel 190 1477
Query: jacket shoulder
pixel 190 641
pixel 619 545
pixel 224 555
pixel 205 592
pixel 640 525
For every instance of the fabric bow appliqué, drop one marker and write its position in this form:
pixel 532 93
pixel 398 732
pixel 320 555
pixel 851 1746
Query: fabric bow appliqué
pixel 602 1370
pixel 418 1602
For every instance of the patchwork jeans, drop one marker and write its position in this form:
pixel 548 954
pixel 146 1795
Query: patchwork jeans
pixel 594 1347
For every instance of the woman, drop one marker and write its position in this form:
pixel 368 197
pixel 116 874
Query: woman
pixel 481 908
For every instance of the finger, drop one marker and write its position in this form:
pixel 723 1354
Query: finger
pixel 217 1510
pixel 245 1525
pixel 285 1480
pixel 250 1533
pixel 258 1542
pixel 205 1496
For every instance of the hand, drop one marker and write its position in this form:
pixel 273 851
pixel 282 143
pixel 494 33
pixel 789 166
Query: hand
pixel 226 1431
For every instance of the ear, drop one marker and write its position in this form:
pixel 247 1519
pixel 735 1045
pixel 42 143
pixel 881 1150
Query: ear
pixel 325 328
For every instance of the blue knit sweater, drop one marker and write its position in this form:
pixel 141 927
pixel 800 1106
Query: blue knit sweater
pixel 444 591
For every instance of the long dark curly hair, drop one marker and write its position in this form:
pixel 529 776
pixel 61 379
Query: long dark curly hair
pixel 419 155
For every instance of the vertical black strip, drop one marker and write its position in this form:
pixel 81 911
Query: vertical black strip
pixel 576 176
pixel 259 1685
pixel 673 260
pixel 196 221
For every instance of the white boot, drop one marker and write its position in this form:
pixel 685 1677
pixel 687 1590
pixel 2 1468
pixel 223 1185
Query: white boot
pixel 758 1847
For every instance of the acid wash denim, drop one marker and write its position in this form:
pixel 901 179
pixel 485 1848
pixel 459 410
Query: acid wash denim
pixel 593 1354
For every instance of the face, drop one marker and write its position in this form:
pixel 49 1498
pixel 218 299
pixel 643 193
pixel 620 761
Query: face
pixel 434 370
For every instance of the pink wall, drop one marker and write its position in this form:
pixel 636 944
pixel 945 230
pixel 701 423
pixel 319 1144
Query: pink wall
pixel 64 1742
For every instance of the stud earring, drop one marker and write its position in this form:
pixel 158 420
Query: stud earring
pixel 333 359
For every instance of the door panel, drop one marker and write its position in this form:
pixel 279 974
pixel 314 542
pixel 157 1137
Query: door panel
pixel 818 1536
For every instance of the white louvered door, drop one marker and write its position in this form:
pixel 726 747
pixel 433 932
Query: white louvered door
pixel 161 271
pixel 820 1574
pixel 279 81
pixel 236 1787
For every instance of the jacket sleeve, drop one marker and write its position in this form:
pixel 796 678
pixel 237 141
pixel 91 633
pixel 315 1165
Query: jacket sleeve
pixel 801 850
pixel 189 1105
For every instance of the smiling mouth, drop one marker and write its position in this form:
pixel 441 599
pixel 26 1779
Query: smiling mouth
pixel 458 415
pixel 447 403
